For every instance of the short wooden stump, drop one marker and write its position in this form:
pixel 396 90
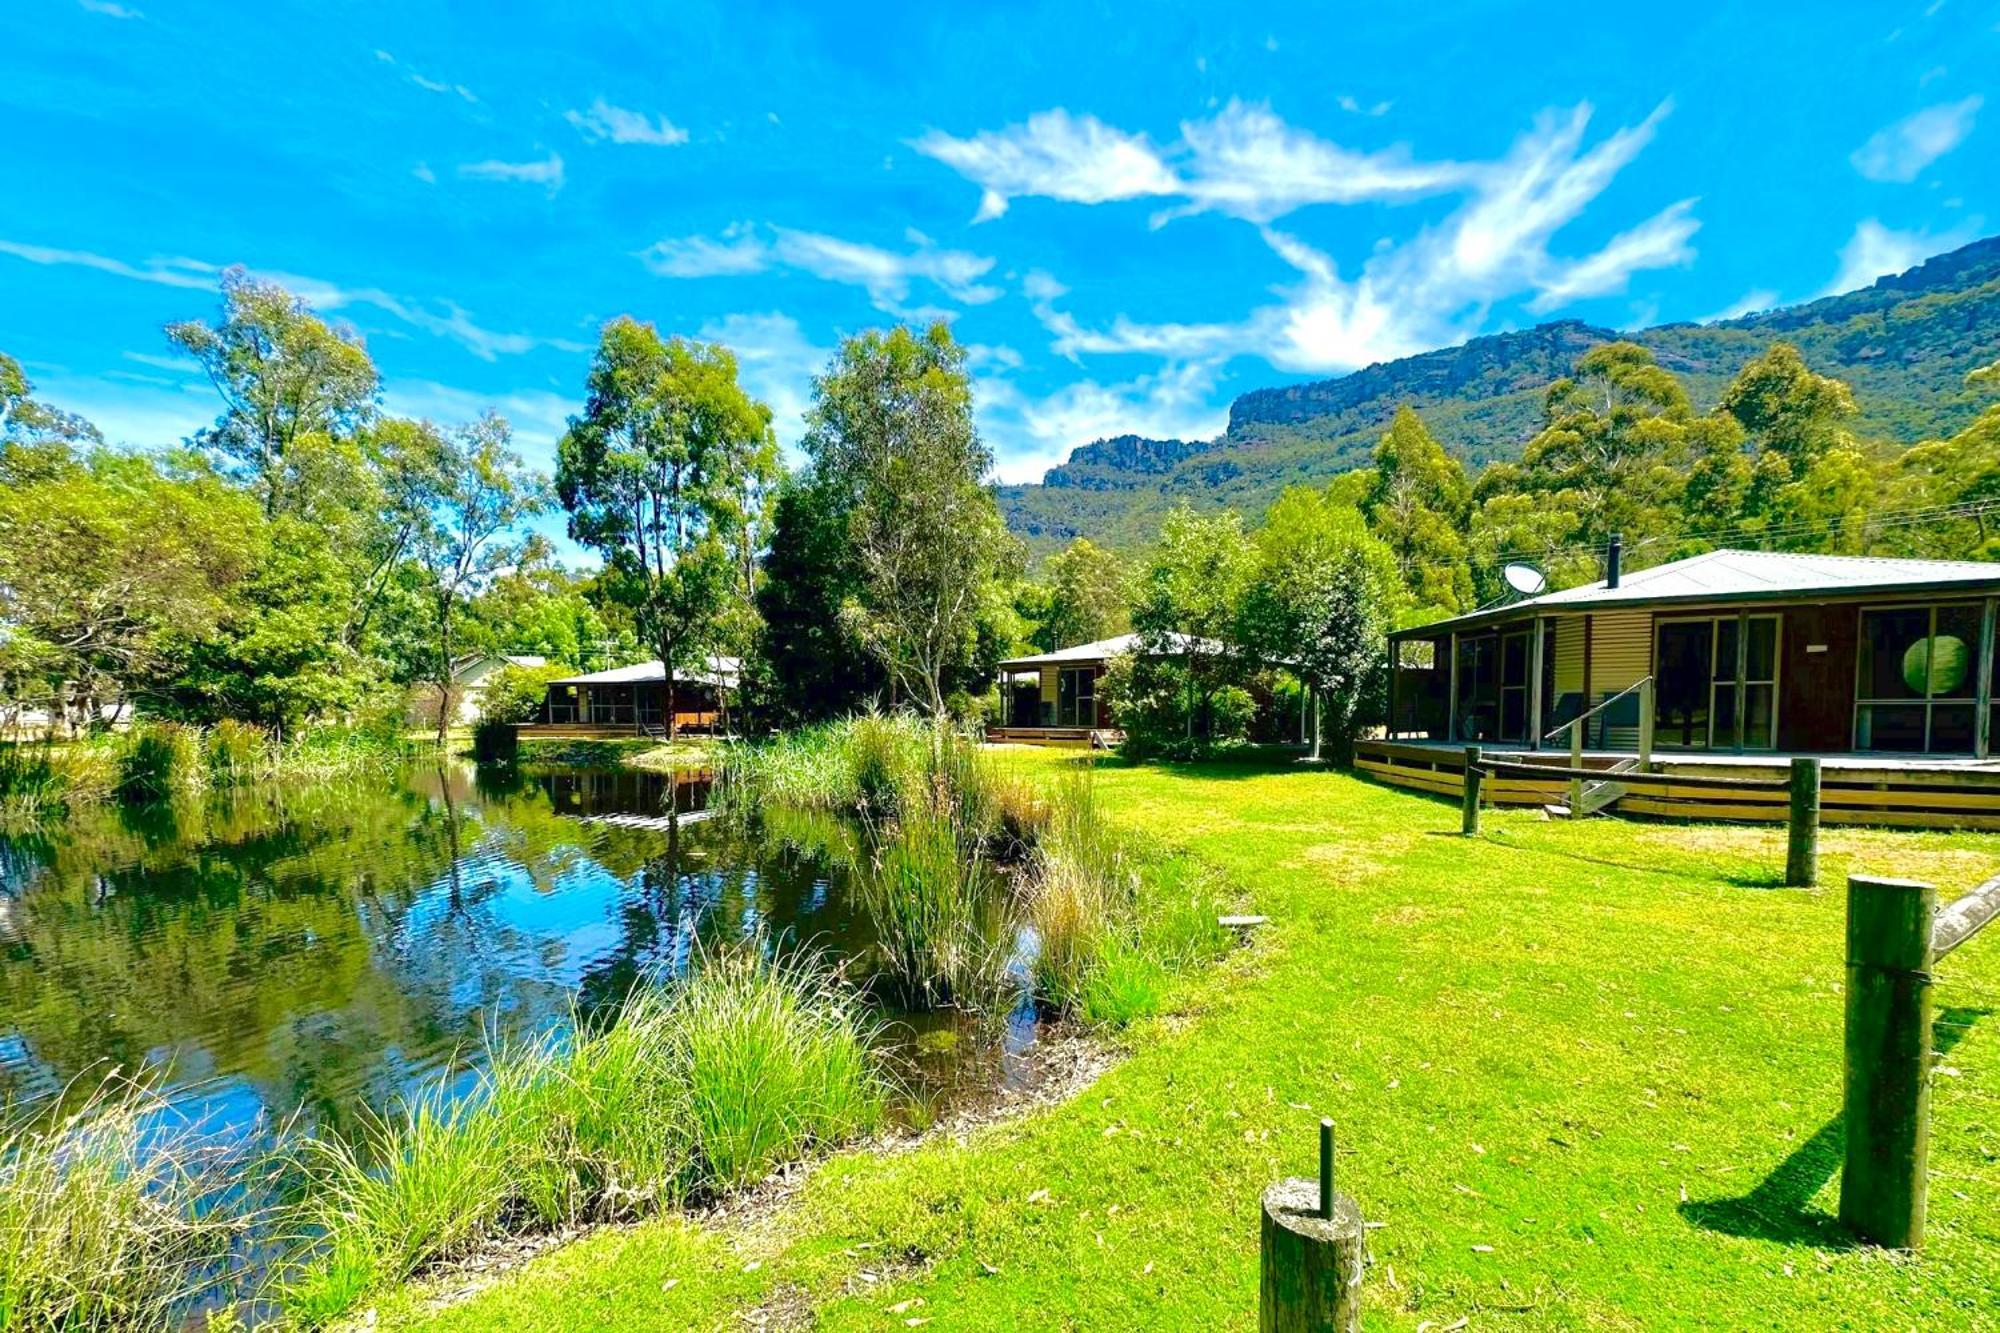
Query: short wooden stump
pixel 1311 1264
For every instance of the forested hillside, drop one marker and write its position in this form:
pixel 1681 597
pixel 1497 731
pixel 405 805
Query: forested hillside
pixel 1904 345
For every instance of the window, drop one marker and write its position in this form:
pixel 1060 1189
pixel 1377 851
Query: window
pixel 1715 683
pixel 1918 679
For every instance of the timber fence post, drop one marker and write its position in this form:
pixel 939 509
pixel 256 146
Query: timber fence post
pixel 1312 1244
pixel 1473 782
pixel 1886 1097
pixel 1802 844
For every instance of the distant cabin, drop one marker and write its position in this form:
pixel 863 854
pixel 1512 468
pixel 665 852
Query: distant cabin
pixel 634 700
pixel 1055 698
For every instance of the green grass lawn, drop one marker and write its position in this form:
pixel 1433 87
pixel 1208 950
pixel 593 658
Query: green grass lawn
pixel 1584 1076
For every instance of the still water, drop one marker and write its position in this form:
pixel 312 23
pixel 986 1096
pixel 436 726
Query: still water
pixel 310 950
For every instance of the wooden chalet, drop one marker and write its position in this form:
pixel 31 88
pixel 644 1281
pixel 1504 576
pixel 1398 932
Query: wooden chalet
pixel 633 700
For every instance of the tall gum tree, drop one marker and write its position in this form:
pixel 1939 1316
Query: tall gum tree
pixel 655 475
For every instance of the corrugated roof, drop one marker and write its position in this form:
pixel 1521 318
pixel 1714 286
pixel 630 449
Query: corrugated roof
pixel 720 670
pixel 1728 575
pixel 1105 649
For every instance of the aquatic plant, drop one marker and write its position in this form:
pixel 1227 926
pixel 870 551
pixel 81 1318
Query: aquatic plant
pixel 110 1217
pixel 238 752
pixel 158 760
pixel 698 1087
pixel 937 909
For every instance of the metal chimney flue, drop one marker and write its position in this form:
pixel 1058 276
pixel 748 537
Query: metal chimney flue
pixel 1614 558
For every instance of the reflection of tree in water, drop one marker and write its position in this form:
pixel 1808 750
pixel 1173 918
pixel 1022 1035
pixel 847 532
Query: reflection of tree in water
pixel 314 947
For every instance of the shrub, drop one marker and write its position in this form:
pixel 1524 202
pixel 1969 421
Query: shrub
pixel 495 741
pixel 159 760
pixel 1231 710
pixel 107 1220
pixel 515 693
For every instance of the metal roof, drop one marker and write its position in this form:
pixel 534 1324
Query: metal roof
pixel 1733 576
pixel 719 670
pixel 1105 649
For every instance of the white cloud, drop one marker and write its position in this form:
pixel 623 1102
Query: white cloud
pixel 422 171
pixel 886 275
pixel 1029 435
pixel 1243 160
pixel 619 125
pixel 425 82
pixel 548 171
pixel 1353 105
pixel 1435 288
pixel 1055 155
pixel 738 251
pixel 776 362
pixel 1898 152
pixel 444 318
pixel 1248 163
pixel 110 10
pixel 1876 251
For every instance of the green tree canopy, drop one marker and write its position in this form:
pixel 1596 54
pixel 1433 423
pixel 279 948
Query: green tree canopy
pixel 1087 596
pixel 654 474
pixel 1419 503
pixel 891 432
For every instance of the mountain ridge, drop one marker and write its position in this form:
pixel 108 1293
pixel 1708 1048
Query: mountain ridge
pixel 1904 344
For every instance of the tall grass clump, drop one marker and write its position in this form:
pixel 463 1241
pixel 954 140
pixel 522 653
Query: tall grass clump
pixel 1113 920
pixel 938 912
pixel 777 1059
pixel 159 760
pixel 107 1218
pixel 238 752
pixel 695 1088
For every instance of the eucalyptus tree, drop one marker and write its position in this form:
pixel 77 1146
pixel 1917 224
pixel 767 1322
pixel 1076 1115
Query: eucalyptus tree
pixel 294 391
pixel 655 473
pixel 482 493
pixel 890 433
pixel 1087 596
pixel 1419 502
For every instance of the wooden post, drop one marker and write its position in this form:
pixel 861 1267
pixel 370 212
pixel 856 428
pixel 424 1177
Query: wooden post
pixel 1312 1244
pixel 1471 797
pixel 1646 725
pixel 1887 1093
pixel 1576 761
pixel 1802 846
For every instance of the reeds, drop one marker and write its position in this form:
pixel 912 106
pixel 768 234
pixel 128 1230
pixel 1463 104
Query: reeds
pixel 110 1217
pixel 938 911
pixel 694 1089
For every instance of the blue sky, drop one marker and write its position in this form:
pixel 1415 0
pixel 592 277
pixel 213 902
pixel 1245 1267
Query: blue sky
pixel 1130 214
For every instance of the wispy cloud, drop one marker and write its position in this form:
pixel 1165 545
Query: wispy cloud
pixel 443 318
pixel 1875 251
pixel 547 171
pixel 1244 161
pixel 537 416
pixel 1435 288
pixel 424 81
pixel 110 10
pixel 886 275
pixel 1055 155
pixel 620 125
pixel 1898 152
pixel 1354 106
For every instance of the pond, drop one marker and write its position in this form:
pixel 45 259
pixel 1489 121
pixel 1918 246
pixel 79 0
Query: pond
pixel 312 950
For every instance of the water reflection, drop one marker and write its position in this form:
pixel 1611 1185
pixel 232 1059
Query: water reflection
pixel 314 949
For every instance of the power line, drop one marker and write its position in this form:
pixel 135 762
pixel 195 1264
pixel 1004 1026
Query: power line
pixel 1885 519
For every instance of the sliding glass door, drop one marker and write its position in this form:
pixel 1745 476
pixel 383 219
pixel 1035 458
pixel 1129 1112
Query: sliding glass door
pixel 1076 697
pixel 1715 683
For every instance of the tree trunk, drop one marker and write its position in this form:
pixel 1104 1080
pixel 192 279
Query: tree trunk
pixel 444 673
pixel 667 689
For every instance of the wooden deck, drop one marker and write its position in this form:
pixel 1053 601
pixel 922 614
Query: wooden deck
pixel 1895 791
pixel 1097 738
pixel 698 723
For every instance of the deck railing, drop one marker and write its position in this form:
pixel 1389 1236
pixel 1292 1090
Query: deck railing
pixel 1576 728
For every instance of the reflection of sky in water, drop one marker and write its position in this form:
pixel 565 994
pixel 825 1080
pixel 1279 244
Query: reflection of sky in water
pixel 311 955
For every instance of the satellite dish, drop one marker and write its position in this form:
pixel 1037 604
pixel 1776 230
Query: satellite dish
pixel 1525 579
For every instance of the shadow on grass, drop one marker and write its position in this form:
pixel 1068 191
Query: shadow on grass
pixel 1780 1207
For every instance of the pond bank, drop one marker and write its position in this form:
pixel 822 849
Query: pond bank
pixel 1556 1056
